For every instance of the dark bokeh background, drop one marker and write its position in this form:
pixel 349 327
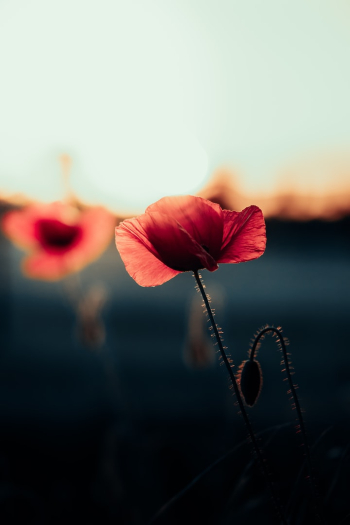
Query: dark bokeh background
pixel 109 436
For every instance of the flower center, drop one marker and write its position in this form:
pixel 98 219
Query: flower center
pixel 205 247
pixel 57 236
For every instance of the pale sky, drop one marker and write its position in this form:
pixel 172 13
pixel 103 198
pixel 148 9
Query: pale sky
pixel 150 97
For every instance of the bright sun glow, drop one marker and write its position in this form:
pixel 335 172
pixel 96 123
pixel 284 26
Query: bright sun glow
pixel 149 97
pixel 108 83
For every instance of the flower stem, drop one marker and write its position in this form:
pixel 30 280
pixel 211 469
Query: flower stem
pixel 243 411
pixel 301 426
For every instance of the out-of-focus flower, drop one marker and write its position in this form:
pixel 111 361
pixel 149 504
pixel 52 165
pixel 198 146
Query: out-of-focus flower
pixel 186 233
pixel 91 330
pixel 198 349
pixel 60 238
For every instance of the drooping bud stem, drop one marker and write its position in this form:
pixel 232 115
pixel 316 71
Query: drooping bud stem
pixel 282 343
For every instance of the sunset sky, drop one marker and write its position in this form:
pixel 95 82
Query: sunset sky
pixel 151 97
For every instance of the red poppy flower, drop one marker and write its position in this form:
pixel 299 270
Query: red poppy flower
pixel 60 239
pixel 186 233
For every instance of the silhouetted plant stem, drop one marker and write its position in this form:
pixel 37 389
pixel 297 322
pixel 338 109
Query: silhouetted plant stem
pixel 292 496
pixel 239 398
pixel 301 426
pixel 167 506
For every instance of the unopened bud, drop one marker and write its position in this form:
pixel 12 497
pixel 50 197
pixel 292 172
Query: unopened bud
pixel 250 381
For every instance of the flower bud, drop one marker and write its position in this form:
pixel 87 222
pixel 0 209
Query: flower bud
pixel 250 381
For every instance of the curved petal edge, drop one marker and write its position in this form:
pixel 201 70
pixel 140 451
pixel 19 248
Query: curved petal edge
pixel 244 236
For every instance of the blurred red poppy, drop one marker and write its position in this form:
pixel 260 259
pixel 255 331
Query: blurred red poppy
pixel 186 233
pixel 60 238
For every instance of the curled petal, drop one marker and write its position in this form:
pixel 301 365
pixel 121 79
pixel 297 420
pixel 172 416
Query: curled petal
pixel 139 256
pixel 244 236
pixel 202 219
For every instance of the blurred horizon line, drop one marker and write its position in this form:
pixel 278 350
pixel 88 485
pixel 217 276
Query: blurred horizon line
pixel 288 203
pixel 223 188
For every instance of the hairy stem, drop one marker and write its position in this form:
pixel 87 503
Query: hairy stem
pixel 243 411
pixel 301 426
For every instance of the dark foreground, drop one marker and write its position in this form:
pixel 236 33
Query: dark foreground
pixel 109 436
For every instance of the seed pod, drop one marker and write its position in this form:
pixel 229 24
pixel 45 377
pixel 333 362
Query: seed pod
pixel 250 381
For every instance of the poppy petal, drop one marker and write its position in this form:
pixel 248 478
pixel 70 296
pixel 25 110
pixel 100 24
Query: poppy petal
pixel 138 255
pixel 19 226
pixel 244 236
pixel 97 226
pixel 174 245
pixel 202 219
pixel 49 267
